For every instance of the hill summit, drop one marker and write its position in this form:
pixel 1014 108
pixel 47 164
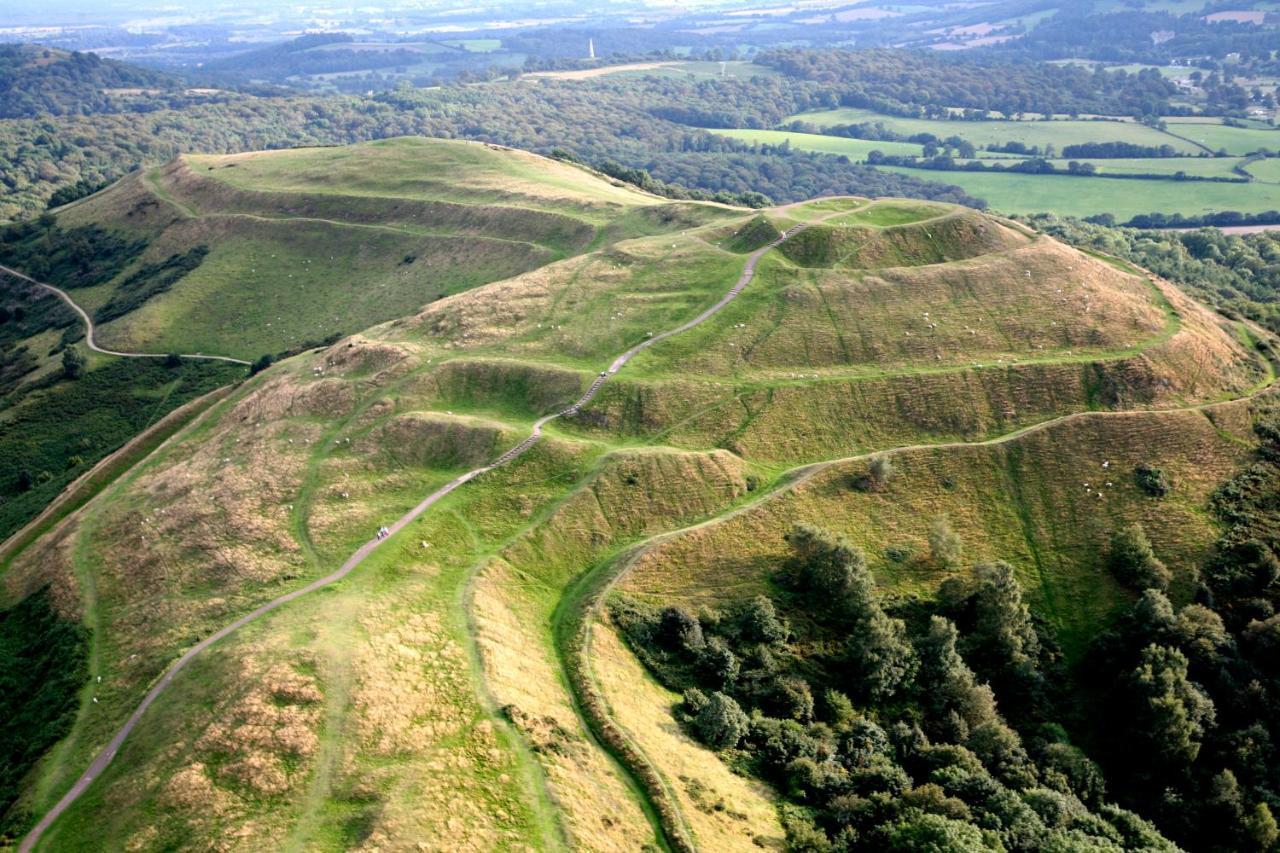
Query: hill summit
pixel 468 681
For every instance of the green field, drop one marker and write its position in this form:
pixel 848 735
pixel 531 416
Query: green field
pixel 1067 195
pixel 1266 170
pixel 1233 140
pixel 855 149
pixel 984 133
pixel 858 149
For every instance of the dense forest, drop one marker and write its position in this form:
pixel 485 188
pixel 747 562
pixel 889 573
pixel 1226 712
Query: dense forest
pixel 952 723
pixel 610 119
pixel 35 81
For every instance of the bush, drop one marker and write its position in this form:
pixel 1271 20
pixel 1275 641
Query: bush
pixel 679 631
pixel 72 363
pixel 944 543
pixel 721 724
pixel 759 622
pixel 1151 480
pixel 1133 561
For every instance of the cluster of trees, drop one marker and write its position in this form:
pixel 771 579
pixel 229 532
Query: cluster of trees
pixel 37 81
pixel 1221 219
pixel 924 84
pixel 1191 736
pixel 897 725
pixel 148 281
pixel 607 119
pixel 1239 274
pixel 1125 36
pixel 880 722
pixel 945 162
pixel 1105 150
pixel 44 661
pixel 77 257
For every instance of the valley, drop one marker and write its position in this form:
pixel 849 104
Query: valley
pixel 702 377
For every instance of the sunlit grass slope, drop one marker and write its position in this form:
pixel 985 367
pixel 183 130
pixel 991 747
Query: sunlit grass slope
pixel 426 696
pixel 309 243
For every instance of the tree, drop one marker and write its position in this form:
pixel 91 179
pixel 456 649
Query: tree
pixel 721 723
pixel 883 658
pixel 718 664
pixel 919 832
pixel 1173 713
pixel 1002 622
pixel 72 363
pixel 824 564
pixel 947 685
pixel 944 543
pixel 260 364
pixel 760 623
pixel 678 630
pixel 1133 561
pixel 173 360
pixel 1261 826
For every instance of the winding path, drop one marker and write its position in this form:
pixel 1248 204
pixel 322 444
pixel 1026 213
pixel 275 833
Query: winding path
pixel 88 325
pixel 108 753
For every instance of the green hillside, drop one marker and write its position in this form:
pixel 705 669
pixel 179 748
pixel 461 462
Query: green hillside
pixel 465 681
pixel 299 246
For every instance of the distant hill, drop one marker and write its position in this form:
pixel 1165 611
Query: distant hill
pixel 35 81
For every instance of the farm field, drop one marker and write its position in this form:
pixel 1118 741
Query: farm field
pixel 858 149
pixel 1073 196
pixel 1233 140
pixel 855 149
pixel 984 133
pixel 448 685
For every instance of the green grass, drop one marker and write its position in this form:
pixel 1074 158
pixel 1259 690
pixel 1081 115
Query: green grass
pixel 983 133
pixel 413 167
pixel 476 45
pixel 1067 195
pixel 885 214
pixel 1265 170
pixel 1208 167
pixel 1233 140
pixel 409 659
pixel 855 149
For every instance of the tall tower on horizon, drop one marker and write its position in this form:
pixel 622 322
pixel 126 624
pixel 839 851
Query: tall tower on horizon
pixel 591 48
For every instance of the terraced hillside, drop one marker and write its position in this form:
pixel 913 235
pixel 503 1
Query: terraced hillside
pixel 310 243
pixel 461 687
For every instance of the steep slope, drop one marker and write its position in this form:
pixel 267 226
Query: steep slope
pixel 436 692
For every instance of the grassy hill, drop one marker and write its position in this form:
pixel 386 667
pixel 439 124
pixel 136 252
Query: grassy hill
pixel 309 243
pixel 454 686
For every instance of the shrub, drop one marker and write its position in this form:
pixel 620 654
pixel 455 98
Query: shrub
pixel 72 363
pixel 759 622
pixel 717 664
pixel 944 543
pixel 721 723
pixel 1133 562
pixel 678 630
pixel 1151 480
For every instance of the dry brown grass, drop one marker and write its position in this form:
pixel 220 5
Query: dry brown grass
pixel 724 810
pixel 514 595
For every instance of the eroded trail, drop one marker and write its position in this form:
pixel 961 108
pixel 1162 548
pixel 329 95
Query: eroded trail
pixel 108 753
pixel 89 328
